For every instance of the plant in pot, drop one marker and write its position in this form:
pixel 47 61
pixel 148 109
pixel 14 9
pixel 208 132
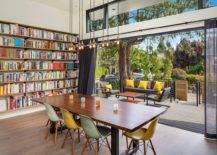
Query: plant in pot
pixel 181 84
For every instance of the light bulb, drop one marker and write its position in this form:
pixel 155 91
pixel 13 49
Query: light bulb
pixel 118 42
pixel 103 45
pixel 107 44
pixel 94 45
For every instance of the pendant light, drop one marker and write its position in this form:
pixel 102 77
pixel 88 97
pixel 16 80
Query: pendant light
pixel 72 46
pixel 103 43
pixel 90 29
pixel 94 41
pixel 118 10
pixel 82 26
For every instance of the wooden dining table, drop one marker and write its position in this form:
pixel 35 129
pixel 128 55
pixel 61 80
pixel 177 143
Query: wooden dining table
pixel 129 117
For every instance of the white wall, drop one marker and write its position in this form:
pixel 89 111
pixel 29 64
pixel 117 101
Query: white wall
pixel 34 13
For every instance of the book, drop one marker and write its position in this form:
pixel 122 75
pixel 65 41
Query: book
pixel 3 105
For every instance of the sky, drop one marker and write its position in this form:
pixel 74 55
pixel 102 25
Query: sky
pixel 174 41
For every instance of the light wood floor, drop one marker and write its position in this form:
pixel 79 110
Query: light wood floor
pixel 24 135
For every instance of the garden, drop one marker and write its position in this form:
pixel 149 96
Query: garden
pixel 172 58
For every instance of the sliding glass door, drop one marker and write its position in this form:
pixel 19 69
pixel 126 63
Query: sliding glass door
pixel 211 79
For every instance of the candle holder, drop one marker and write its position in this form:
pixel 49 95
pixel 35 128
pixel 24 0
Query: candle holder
pixel 71 97
pixel 98 103
pixel 115 107
pixel 83 99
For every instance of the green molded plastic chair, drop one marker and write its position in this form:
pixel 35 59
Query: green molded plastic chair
pixel 94 133
pixel 54 120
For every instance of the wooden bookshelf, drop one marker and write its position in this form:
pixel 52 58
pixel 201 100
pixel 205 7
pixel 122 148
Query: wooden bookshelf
pixel 37 49
pixel 56 40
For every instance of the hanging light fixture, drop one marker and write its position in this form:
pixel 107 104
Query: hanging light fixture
pixel 94 41
pixel 90 29
pixel 82 43
pixel 71 46
pixel 118 10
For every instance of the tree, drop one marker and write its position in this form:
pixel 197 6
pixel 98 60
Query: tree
pixel 188 53
pixel 108 58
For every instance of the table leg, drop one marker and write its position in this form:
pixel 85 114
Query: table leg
pixel 114 141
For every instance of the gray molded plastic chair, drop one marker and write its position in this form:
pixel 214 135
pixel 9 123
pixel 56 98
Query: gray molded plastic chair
pixel 54 121
pixel 94 132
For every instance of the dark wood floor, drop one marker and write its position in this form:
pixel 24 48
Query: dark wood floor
pixel 24 135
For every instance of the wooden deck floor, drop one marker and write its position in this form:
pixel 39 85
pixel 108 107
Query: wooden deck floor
pixel 24 135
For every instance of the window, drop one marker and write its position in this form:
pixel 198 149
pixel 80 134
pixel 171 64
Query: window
pixel 96 20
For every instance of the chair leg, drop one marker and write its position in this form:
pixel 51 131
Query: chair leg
pixel 48 122
pixel 97 148
pixel 66 136
pixel 84 147
pixel 144 147
pixel 128 148
pixel 79 136
pixel 108 143
pixel 47 133
pixel 152 147
pixel 127 142
pixel 55 136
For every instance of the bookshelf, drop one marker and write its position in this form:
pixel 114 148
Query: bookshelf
pixel 35 62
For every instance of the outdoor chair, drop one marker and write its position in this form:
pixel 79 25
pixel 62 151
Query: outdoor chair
pixel 166 94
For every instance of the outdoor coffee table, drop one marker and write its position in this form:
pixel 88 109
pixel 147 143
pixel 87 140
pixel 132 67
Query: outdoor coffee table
pixel 130 96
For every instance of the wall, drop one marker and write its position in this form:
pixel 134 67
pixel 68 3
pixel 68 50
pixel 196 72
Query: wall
pixel 34 13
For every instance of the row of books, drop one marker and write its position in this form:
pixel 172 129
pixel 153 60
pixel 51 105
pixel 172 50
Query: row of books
pixel 37 65
pixel 34 54
pixel 13 103
pixel 16 29
pixel 11 41
pixel 48 45
pixel 17 102
pixel 16 88
pixel 37 33
pixel 34 76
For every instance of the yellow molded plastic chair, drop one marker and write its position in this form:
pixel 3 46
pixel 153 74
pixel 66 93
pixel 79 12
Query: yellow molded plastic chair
pixel 144 135
pixel 71 125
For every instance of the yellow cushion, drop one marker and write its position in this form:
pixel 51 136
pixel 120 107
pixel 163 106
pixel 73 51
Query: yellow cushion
pixel 108 87
pixel 129 83
pixel 143 84
pixel 158 86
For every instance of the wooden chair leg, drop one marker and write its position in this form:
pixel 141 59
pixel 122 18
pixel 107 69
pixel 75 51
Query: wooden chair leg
pixel 79 136
pixel 97 145
pixel 144 147
pixel 55 135
pixel 48 122
pixel 108 144
pixel 47 133
pixel 66 136
pixel 84 147
pixel 127 142
pixel 152 147
pixel 128 147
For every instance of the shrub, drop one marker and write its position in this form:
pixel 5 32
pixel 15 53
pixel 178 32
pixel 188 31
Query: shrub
pixel 194 78
pixel 179 74
pixel 196 69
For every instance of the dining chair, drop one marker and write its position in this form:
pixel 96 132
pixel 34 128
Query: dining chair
pixel 71 125
pixel 54 121
pixel 94 133
pixel 143 135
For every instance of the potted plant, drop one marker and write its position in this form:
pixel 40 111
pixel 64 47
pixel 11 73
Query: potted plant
pixel 181 84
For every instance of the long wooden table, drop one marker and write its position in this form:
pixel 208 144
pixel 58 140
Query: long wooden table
pixel 129 117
